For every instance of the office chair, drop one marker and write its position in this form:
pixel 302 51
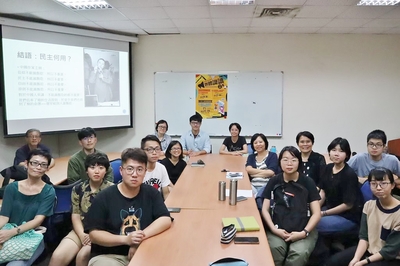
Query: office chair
pixel 115 164
pixel 249 149
pixel 59 224
pixel 366 192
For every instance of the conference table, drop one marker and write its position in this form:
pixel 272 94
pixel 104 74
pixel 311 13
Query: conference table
pixel 194 237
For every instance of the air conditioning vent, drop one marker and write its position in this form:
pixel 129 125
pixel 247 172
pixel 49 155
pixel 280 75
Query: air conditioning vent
pixel 273 12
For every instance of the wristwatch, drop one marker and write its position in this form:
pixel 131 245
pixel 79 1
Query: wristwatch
pixel 306 231
pixel 18 230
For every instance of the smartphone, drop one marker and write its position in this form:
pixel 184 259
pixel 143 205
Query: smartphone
pixel 174 210
pixel 241 198
pixel 246 240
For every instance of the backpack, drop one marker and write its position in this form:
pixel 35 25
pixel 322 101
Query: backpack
pixel 290 208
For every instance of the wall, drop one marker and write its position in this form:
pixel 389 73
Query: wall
pixel 334 85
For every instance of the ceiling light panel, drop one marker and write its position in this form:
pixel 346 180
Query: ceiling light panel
pixel 231 2
pixel 85 4
pixel 377 3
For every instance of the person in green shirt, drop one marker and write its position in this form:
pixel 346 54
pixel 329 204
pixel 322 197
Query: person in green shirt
pixel 28 202
pixel 76 164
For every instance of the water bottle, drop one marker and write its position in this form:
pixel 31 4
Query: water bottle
pixel 233 192
pixel 273 149
pixel 221 190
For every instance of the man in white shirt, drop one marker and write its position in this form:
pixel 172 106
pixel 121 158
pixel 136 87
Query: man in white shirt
pixel 156 174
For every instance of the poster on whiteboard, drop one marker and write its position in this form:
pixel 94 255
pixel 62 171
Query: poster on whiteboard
pixel 212 96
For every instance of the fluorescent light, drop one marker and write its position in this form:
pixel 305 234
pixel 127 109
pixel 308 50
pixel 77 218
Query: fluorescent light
pixel 85 4
pixel 377 3
pixel 231 2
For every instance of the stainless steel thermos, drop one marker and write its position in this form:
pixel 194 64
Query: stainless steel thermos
pixel 221 190
pixel 233 192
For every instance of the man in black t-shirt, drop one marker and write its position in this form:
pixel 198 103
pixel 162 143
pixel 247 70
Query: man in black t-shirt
pixel 122 216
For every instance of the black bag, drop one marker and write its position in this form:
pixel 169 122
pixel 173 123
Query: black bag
pixel 229 262
pixel 290 209
pixel 17 173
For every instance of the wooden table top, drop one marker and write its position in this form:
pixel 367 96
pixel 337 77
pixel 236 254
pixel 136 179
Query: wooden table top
pixel 194 237
pixel 197 187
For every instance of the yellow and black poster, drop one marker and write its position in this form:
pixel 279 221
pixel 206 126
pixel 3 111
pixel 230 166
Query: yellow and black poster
pixel 212 95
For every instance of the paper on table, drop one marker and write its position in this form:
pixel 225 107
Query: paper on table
pixel 248 193
pixel 234 175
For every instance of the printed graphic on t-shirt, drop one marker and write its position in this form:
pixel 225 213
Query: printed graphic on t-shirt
pixel 154 182
pixel 130 220
pixel 234 148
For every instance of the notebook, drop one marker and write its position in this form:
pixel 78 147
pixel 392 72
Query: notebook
pixel 242 224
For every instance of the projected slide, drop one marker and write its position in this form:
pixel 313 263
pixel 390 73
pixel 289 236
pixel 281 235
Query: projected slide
pixel 102 78
pixel 56 87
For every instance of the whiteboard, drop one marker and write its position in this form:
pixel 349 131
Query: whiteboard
pixel 254 101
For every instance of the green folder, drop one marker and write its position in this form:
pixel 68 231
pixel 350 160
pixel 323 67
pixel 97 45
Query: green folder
pixel 242 224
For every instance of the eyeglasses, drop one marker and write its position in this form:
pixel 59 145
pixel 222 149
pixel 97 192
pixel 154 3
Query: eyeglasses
pixel 36 164
pixel 33 136
pixel 287 161
pixel 195 123
pixel 151 150
pixel 88 138
pixel 163 127
pixel 175 149
pixel 130 170
pixel 375 145
pixel 383 185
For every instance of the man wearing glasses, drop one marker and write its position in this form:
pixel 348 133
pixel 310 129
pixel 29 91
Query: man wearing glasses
pixel 76 164
pixel 156 174
pixel 195 142
pixel 363 163
pixel 124 215
pixel 32 138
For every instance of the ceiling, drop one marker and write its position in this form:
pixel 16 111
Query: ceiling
pixel 146 17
